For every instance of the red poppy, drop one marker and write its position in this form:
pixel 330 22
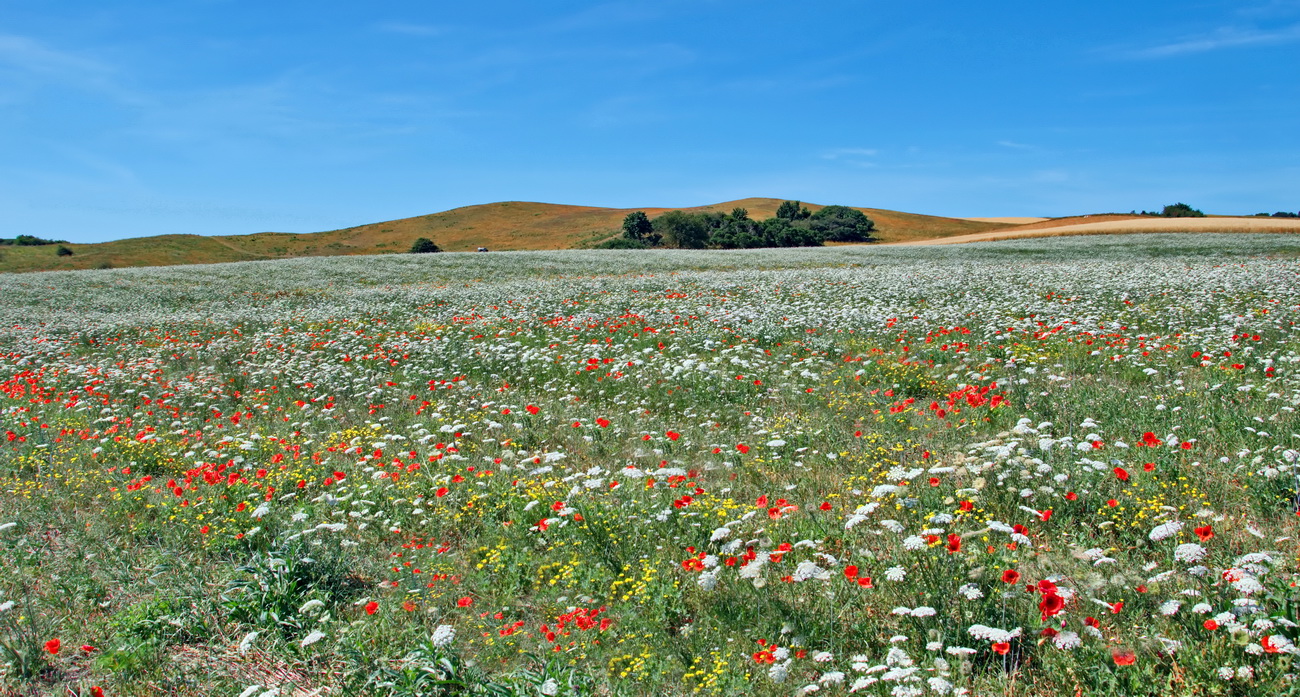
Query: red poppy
pixel 1001 648
pixel 744 449
pixel 1210 625
pixel 850 571
pixel 1051 605
pixel 673 435
pixel 1092 622
pixel 1205 532
pixel 53 646
pixel 1121 473
pixel 1010 576
pixel 602 422
pixel 1071 496
pixel 531 409
pixel 693 564
pixel 826 506
pixel 1123 657
pixel 954 544
pixel 371 607
pixel 465 602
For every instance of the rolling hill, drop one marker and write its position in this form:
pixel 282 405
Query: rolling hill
pixel 519 225
pixel 508 225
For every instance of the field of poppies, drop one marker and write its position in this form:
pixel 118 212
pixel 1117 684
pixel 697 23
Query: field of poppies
pixel 1044 467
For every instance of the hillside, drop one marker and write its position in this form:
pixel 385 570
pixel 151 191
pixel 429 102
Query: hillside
pixel 509 225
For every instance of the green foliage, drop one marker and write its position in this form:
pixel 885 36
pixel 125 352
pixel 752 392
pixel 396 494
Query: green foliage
pixel 622 243
pixel 275 590
pixel 29 241
pixel 842 224
pixel 424 245
pixel 792 211
pixel 1180 210
pixel 683 230
pixel 63 251
pixel 637 228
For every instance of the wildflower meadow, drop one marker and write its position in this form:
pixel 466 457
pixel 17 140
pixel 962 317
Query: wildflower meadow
pixel 1043 467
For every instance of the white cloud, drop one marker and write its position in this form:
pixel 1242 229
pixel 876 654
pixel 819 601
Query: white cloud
pixel 847 153
pixel 1226 37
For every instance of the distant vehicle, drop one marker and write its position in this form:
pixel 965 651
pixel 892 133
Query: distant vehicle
pixel 482 249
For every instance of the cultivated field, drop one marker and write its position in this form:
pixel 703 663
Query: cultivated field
pixel 1038 467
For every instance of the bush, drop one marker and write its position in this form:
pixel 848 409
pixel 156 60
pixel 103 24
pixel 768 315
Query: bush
pixel 1180 210
pixel 622 243
pixel 424 245
pixel 842 224
pixel 63 251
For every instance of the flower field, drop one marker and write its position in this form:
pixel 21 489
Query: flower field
pixel 1043 467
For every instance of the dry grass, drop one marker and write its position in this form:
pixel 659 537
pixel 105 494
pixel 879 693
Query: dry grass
pixel 1009 221
pixel 508 225
pixel 1128 224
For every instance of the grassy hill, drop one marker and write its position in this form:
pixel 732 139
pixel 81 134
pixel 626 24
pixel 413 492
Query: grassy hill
pixel 509 225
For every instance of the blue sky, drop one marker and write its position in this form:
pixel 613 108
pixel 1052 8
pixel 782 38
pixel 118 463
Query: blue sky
pixel 120 119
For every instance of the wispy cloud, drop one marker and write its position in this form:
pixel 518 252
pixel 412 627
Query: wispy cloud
pixel 1224 38
pixel 1014 145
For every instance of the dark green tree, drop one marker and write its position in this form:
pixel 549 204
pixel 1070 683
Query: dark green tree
pixel 842 224
pixel 1180 210
pixel 680 229
pixel 739 213
pixel 424 245
pixel 638 228
pixel 63 251
pixel 792 211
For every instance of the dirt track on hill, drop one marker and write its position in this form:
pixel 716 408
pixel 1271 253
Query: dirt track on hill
pixel 1117 227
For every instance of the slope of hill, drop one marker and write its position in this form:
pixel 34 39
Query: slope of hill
pixel 508 225
pixel 1117 225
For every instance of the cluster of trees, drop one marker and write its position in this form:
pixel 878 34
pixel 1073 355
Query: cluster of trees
pixel 792 226
pixel 1279 214
pixel 28 241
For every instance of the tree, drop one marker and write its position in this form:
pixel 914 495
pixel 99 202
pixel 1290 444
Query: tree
pixel 739 213
pixel 792 211
pixel 683 230
pixel 1180 210
pixel 424 245
pixel 842 224
pixel 638 228
pixel 63 251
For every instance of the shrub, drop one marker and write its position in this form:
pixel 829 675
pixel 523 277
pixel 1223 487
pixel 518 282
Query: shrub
pixel 622 243
pixel 1180 210
pixel 424 245
pixel 63 251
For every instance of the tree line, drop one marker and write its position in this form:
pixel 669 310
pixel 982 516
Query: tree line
pixel 792 226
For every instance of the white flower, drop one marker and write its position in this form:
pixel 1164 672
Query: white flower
pixel 939 685
pixel 778 671
pixel 993 634
pixel 720 534
pixel 1225 673
pixel 247 642
pixel 1202 608
pixel 1245 673
pixel 1067 641
pixel 970 591
pixel 311 606
pixel 823 656
pixel 1189 553
pixel 708 580
pixel 1165 530
pixel 315 636
pixel 1169 607
pixel 891 525
pixel 807 570
pixel 923 611
pixel 895 573
pixel 775 443
pixel 913 542
pixel 550 687
pixel 833 677
pixel 443 635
